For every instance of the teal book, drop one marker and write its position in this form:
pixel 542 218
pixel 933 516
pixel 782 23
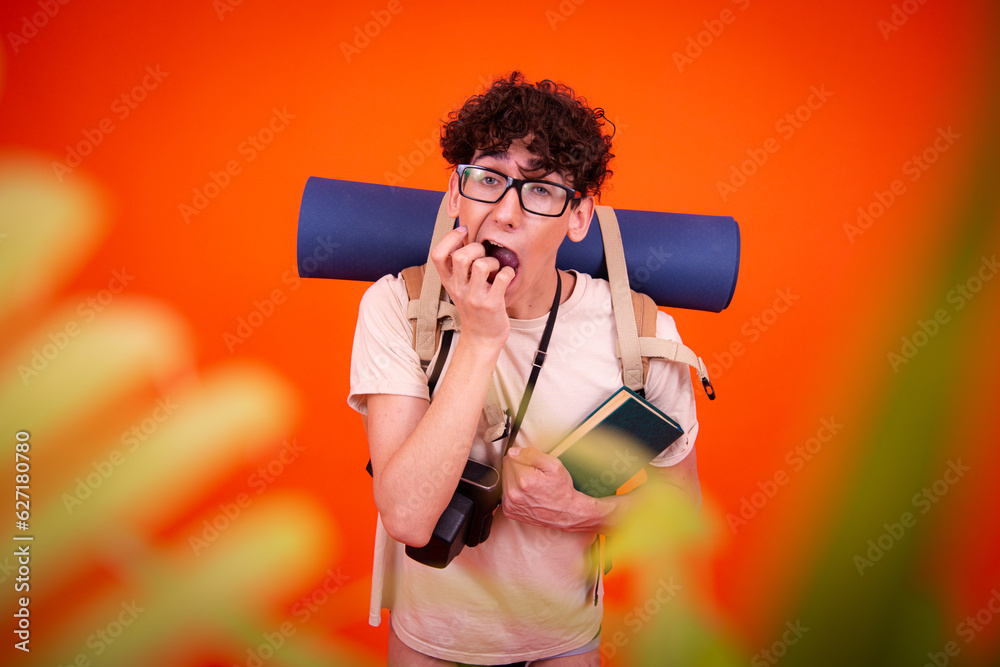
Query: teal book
pixel 615 442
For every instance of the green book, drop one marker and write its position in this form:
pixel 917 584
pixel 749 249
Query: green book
pixel 614 443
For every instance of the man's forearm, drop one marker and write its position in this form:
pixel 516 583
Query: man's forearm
pixel 415 481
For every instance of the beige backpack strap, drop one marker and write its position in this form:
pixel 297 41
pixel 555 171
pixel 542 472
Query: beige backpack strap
pixel 447 313
pixel 645 319
pixel 426 327
pixel 651 346
pixel 635 312
pixel 621 300
pixel 413 276
pixel 671 350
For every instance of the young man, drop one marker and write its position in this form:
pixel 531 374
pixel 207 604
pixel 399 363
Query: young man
pixel 529 160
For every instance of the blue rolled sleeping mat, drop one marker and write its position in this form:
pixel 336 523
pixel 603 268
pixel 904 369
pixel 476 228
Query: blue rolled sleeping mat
pixel 363 231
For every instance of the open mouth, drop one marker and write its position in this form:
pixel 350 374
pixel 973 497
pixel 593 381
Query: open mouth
pixel 502 254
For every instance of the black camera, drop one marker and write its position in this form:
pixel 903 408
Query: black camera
pixel 467 519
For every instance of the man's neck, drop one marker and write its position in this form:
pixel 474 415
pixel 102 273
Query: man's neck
pixel 543 305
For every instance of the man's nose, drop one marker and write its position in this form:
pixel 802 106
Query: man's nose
pixel 508 210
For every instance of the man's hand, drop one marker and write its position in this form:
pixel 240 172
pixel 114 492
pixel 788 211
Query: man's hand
pixel 537 489
pixel 465 271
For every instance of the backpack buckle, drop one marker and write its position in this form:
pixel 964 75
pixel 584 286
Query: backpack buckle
pixel 709 389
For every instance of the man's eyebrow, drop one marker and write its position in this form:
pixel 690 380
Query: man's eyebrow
pixel 504 156
pixel 497 154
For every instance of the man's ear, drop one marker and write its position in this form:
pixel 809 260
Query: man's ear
pixel 453 195
pixel 579 219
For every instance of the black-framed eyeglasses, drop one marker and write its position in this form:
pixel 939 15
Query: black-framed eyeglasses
pixel 539 197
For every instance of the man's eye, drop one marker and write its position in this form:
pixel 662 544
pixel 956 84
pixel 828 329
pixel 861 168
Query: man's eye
pixel 541 190
pixel 488 180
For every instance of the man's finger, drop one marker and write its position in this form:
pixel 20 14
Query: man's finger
pixel 482 267
pixel 451 242
pixel 519 476
pixel 502 279
pixel 529 456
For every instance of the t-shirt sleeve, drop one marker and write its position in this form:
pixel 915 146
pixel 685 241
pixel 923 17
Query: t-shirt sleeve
pixel 383 360
pixel 669 387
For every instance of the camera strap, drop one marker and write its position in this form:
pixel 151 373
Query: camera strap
pixel 536 364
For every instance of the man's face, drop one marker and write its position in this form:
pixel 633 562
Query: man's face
pixel 533 239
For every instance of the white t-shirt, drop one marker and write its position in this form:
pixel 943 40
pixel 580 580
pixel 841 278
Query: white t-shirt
pixel 527 592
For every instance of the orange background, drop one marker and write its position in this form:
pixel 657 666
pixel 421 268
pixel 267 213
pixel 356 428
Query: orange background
pixel 361 107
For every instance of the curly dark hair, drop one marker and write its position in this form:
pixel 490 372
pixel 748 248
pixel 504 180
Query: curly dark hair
pixel 565 134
